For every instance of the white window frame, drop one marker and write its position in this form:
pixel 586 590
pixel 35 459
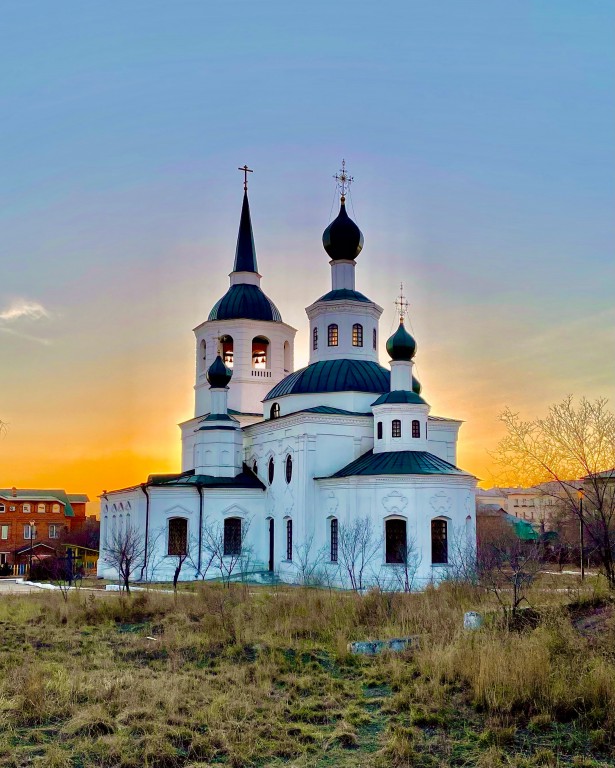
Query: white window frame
pixel 29 535
pixel 4 528
pixel 54 530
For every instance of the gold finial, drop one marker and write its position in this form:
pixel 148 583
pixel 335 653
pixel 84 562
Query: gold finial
pixel 401 303
pixel 246 171
pixel 344 180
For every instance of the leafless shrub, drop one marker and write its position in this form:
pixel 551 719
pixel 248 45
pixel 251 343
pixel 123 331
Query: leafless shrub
pixel 358 546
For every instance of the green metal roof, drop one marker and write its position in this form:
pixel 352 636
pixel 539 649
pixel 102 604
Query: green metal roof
pixel 246 302
pixel 36 494
pixel 334 376
pixel 400 396
pixel 245 479
pixel 398 463
pixel 219 417
pixel 327 409
pixel 344 294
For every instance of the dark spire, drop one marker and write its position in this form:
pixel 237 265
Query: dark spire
pixel 245 254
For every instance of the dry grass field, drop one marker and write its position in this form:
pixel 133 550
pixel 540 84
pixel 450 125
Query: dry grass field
pixel 262 677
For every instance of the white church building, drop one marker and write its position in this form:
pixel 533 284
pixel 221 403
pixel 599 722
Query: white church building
pixel 287 472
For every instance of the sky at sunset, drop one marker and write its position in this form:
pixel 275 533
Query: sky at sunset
pixel 480 135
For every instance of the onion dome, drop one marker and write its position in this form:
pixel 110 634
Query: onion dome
pixel 218 375
pixel 416 386
pixel 342 239
pixel 401 345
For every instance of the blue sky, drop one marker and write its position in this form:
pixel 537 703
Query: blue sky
pixel 480 135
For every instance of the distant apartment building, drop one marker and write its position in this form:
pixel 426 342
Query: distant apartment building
pixel 33 522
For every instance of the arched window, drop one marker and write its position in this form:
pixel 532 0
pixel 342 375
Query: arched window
pixel 274 413
pixel 416 428
pixel 55 508
pixel 396 428
pixel 260 353
pixel 40 508
pixel 332 335
pixel 178 536
pixel 334 539
pixel 287 358
pixel 26 508
pixel 374 339
pixel 203 355
pixel 289 539
pixel 395 534
pixel 357 335
pixel 439 542
pixel 379 430
pixel 271 470
pixel 232 536
pixel 226 342
pixel 289 468
pixel 315 338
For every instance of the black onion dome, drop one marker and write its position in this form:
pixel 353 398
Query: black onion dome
pixel 218 375
pixel 401 345
pixel 416 386
pixel 342 239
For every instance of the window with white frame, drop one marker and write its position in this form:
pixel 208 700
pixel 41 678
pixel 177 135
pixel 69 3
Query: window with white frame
pixel 4 532
pixel 54 531
pixel 55 508
pixel 40 508
pixel 27 509
pixel 29 532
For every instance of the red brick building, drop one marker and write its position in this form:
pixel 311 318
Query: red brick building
pixel 36 520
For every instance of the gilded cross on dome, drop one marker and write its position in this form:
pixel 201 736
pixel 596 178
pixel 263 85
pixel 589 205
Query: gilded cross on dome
pixel 344 180
pixel 401 303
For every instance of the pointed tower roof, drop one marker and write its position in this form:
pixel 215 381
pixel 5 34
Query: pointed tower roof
pixel 245 253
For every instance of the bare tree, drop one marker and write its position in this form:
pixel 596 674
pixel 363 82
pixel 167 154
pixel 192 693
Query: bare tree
pixel 309 562
pixel 357 548
pixel 411 559
pixel 124 551
pixel 573 449
pixel 462 558
pixel 507 568
pixel 226 546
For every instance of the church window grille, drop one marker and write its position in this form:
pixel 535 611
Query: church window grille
pixel 315 338
pixel 374 339
pixel 379 430
pixel 396 541
pixel 416 428
pixel 289 468
pixel 178 536
pixel 333 335
pixel 357 335
pixel 275 411
pixel 232 536
pixel 396 428
pixel 439 542
pixel 289 539
pixel 271 470
pixel 334 540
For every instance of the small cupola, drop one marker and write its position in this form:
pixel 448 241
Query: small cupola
pixel 218 375
pixel 402 346
pixel 342 239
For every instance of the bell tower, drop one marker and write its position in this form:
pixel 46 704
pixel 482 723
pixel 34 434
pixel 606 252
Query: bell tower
pixel 246 329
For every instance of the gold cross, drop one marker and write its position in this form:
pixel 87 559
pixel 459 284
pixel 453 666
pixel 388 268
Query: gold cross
pixel 246 171
pixel 343 180
pixel 401 303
